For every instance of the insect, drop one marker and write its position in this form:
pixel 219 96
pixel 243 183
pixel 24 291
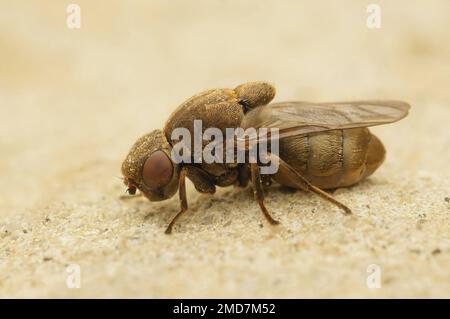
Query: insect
pixel 321 145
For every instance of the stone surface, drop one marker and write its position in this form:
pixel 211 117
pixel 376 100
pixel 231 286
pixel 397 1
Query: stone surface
pixel 74 101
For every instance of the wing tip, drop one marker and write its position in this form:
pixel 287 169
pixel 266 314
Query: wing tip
pixel 402 106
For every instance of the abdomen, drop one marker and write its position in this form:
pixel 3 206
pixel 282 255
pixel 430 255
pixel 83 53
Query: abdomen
pixel 334 158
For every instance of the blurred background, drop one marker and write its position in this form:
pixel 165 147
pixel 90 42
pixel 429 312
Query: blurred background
pixel 72 102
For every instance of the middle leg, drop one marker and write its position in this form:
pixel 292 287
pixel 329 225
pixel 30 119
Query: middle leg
pixel 259 193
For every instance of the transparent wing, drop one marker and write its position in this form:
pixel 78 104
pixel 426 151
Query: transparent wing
pixel 299 118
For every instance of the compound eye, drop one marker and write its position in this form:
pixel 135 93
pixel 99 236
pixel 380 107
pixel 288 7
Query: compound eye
pixel 157 170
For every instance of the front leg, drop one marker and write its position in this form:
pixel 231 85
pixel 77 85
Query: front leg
pixel 183 199
pixel 202 183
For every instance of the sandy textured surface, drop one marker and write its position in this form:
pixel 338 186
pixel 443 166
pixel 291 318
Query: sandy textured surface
pixel 73 101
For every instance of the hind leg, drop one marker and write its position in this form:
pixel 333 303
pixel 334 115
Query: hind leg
pixel 287 175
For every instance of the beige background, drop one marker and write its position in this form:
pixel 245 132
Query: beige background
pixel 73 101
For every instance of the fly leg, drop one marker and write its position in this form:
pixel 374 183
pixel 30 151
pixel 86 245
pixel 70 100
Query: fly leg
pixel 183 200
pixel 293 177
pixel 259 192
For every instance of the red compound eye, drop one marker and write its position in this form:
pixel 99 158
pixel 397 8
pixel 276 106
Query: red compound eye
pixel 157 170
